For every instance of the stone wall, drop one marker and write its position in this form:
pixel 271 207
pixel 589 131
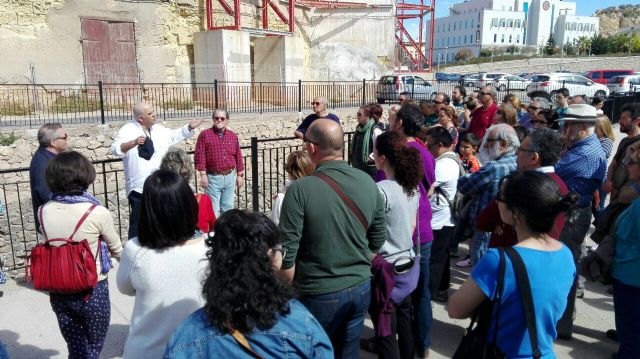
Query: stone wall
pixel 536 64
pixel 17 229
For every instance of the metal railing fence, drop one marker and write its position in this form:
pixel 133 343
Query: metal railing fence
pixel 264 166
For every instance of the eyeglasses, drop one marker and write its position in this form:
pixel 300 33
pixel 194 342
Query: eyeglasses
pixel 307 140
pixel 316 103
pixel 215 118
pixel 63 137
pixel 281 250
pixel 525 150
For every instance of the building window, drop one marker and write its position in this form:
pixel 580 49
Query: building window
pixel 495 38
pixel 518 23
pixel 573 26
pixel 472 23
pixel 502 38
pixel 567 26
pixel 454 26
pixel 494 22
pixel 466 24
pixel 459 40
pixel 448 38
pixel 518 39
pixel 471 39
pixel 580 27
pixel 510 38
pixel 503 22
pixel 510 22
pixel 449 28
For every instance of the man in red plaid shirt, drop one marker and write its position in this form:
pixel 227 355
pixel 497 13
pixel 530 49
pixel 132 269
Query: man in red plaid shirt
pixel 218 160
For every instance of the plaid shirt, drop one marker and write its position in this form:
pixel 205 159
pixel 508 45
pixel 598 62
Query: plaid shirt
pixel 484 183
pixel 583 167
pixel 216 152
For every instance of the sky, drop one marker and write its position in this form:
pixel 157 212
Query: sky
pixel 584 8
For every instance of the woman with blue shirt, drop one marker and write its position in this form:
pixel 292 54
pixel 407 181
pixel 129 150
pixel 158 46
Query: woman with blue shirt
pixel 626 269
pixel 249 311
pixel 530 201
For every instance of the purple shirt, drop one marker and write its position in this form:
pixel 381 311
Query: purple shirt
pixel 424 206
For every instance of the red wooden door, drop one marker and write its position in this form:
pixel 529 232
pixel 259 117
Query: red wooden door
pixel 109 51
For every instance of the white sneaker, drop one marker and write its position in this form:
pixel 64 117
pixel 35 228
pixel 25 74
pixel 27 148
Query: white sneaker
pixel 465 263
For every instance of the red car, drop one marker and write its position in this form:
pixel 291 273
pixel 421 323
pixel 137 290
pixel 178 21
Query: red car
pixel 603 76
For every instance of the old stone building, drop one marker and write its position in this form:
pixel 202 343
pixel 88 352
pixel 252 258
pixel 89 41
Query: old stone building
pixel 130 41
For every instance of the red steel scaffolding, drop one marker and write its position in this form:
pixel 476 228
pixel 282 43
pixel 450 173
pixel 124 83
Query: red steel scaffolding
pixel 411 11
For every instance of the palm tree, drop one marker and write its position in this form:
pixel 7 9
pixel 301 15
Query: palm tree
pixel 582 43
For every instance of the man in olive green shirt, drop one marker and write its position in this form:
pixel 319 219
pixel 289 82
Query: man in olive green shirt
pixel 328 250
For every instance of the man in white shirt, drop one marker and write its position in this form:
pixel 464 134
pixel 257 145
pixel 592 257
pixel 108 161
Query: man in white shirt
pixel 442 193
pixel 152 141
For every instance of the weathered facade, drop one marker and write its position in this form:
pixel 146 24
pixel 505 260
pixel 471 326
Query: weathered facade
pixel 80 41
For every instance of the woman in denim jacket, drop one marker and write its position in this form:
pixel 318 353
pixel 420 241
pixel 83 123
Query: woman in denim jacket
pixel 247 301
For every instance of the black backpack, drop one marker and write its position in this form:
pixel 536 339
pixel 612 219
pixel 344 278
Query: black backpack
pixel 456 205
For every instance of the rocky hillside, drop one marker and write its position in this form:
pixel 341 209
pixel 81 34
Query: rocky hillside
pixel 616 17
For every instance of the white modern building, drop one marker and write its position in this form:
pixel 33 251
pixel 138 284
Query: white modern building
pixel 478 24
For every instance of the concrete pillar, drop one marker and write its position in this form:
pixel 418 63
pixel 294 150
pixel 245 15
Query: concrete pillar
pixel 221 55
pixel 278 59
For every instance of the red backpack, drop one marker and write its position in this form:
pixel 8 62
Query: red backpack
pixel 66 269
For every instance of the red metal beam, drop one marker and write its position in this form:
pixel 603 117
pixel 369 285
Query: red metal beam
pixel 330 4
pixel 412 42
pixel 209 15
pixel 291 16
pixel 265 14
pixel 417 7
pixel 278 12
pixel 416 10
pixel 405 49
pixel 226 7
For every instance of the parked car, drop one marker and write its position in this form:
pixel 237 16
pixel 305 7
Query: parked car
pixel 603 76
pixel 546 85
pixel 510 82
pixel 487 78
pixel 445 77
pixel 391 86
pixel 469 80
pixel 619 85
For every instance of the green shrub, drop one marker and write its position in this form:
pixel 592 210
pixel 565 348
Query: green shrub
pixel 75 103
pixel 8 139
pixel 14 109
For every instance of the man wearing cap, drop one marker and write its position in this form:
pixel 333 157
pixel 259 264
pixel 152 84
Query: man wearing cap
pixel 151 141
pixel 582 167
pixel 320 110
pixel 218 160
pixel 482 117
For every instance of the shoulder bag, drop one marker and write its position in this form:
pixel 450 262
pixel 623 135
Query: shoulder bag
pixel 66 269
pixel 522 279
pixel 475 341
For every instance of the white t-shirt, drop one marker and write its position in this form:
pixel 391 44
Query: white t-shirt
pixel 447 174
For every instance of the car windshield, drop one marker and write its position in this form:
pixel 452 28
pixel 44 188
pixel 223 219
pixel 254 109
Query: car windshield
pixel 610 74
pixel 539 78
pixel 387 80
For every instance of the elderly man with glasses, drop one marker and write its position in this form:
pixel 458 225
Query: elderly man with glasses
pixel 482 117
pixel 320 110
pixel 218 159
pixel 52 140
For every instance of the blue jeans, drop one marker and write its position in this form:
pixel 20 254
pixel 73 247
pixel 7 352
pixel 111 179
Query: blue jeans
pixel 479 245
pixel 222 190
pixel 421 297
pixel 135 202
pixel 341 314
pixel 627 311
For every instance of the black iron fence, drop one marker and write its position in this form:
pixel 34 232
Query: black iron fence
pixel 264 162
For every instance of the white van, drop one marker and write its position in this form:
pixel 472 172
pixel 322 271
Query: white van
pixel 624 84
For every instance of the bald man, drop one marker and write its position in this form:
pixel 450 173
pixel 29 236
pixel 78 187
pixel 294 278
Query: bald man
pixel 320 110
pixel 329 249
pixel 150 141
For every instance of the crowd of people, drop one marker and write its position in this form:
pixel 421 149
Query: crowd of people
pixel 372 234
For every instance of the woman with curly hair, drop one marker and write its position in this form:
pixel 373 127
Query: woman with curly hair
pixel 396 268
pixel 249 311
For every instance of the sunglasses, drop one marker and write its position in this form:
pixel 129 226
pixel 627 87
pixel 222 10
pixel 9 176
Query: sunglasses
pixel 63 137
pixel 220 118
pixel 316 103
pixel 438 102
pixel 307 140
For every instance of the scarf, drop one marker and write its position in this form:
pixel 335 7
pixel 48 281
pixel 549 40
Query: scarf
pixel 366 129
pixel 86 197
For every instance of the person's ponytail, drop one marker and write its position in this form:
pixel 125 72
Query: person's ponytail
pixel 565 203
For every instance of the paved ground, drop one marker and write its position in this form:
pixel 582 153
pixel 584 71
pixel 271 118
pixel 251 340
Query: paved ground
pixel 29 329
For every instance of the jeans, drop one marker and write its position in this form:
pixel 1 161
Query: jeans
pixel 390 347
pixel 439 257
pixel 341 314
pixel 627 311
pixel 135 201
pixel 575 229
pixel 421 298
pixel 222 190
pixel 479 245
pixel 84 324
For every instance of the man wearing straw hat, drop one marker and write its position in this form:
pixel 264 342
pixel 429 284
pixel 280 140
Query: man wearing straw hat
pixel 582 167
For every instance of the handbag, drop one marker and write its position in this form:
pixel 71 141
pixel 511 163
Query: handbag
pixel 475 341
pixel 66 269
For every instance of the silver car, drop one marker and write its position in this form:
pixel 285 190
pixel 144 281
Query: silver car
pixel 391 86
pixel 510 82
pixel 487 79
pixel 548 83
pixel 624 84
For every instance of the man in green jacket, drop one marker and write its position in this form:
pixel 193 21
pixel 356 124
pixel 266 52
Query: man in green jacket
pixel 328 250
